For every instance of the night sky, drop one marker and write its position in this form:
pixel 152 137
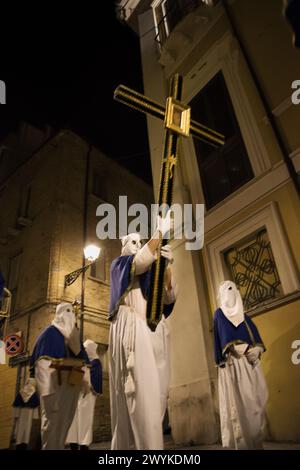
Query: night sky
pixel 61 69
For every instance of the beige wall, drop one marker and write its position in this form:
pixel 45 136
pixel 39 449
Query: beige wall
pixel 279 328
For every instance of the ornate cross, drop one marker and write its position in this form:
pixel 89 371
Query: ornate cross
pixel 177 121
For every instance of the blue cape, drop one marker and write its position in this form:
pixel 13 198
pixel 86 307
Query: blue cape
pixel 121 279
pixel 33 401
pixel 51 345
pixel 226 334
pixel 96 376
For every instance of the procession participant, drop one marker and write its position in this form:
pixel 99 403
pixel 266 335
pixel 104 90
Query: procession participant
pixel 242 388
pixel 80 434
pixel 136 392
pixel 26 408
pixel 58 364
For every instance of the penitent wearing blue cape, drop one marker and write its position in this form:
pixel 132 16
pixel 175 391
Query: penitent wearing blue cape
pixel 51 345
pixel 226 334
pixel 122 274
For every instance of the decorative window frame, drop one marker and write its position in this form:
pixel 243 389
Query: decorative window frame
pixel 225 56
pixel 266 217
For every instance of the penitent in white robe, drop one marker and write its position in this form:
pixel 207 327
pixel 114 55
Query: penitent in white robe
pixel 243 396
pixel 139 370
pixel 81 430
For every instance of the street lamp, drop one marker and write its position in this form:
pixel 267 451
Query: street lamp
pixel 91 253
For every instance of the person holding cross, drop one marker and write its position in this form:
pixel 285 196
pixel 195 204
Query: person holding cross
pixel 134 376
pixel 138 357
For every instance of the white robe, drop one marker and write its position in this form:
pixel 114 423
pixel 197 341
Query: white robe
pixel 81 430
pixel 24 417
pixel 139 371
pixel 243 396
pixel 58 405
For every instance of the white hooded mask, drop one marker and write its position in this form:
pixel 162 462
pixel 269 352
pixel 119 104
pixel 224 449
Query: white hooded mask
pixel 131 244
pixel 91 349
pixel 64 321
pixel 231 303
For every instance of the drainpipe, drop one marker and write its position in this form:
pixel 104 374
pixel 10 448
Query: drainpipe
pixel 289 164
pixel 85 223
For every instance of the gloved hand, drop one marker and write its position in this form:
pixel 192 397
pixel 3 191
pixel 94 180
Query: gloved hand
pixel 166 252
pixel 164 224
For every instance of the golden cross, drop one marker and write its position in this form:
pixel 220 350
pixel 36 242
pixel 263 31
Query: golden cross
pixel 177 121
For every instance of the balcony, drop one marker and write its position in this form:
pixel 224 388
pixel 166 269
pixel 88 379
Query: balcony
pixel 169 13
pixel 178 24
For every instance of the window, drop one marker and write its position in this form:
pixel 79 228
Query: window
pixel 13 275
pixel 222 170
pixel 161 22
pixel 251 265
pixel 98 269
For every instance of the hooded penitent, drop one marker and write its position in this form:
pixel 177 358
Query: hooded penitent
pixel 64 321
pixel 231 302
pixel 122 273
pixel 131 244
pixel 60 339
pixel 231 325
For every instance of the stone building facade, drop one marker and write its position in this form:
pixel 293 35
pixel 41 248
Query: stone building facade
pixel 41 234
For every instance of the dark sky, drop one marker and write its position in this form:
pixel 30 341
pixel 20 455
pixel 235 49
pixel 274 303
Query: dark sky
pixel 61 68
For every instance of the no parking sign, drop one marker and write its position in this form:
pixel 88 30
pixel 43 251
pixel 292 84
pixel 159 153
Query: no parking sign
pixel 13 344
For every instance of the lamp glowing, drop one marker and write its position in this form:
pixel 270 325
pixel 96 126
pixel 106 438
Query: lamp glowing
pixel 92 252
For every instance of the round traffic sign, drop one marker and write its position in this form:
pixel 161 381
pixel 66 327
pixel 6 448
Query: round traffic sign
pixel 13 344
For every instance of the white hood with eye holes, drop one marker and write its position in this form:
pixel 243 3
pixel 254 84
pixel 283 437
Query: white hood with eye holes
pixel 231 302
pixel 64 321
pixel 131 244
